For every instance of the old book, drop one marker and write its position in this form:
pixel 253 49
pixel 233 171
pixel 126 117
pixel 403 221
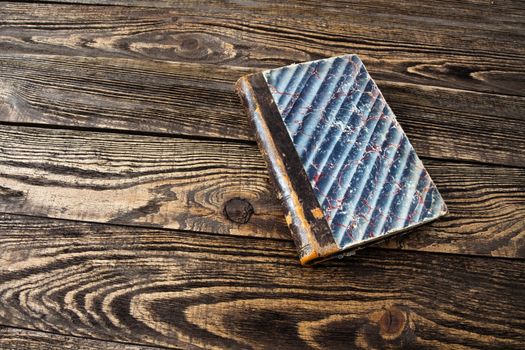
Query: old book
pixel 342 166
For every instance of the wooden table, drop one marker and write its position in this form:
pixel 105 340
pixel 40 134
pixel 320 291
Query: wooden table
pixel 128 174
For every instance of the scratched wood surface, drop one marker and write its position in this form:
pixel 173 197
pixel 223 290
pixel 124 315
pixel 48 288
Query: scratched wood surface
pixel 183 289
pixel 23 339
pixel 136 212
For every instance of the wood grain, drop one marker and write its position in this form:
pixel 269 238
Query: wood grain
pixel 185 184
pixel 135 180
pixel 305 29
pixel 23 339
pixel 138 125
pixel 456 85
pixel 188 290
pixel 199 100
pixel 175 98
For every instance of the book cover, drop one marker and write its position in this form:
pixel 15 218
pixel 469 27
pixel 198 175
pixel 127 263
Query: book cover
pixel 343 168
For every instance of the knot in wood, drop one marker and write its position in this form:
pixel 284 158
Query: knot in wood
pixel 238 210
pixel 392 323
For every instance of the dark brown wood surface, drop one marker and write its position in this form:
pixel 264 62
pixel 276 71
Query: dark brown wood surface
pixel 135 208
pixel 183 289
pixel 23 339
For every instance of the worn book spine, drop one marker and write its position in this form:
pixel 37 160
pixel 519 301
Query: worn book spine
pixel 310 230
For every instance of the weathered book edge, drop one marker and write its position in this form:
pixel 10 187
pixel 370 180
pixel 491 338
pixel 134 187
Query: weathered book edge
pixel 305 218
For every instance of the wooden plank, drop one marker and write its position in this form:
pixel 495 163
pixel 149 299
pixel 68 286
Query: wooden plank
pixel 175 98
pixel 199 100
pixel 195 185
pixel 469 10
pixel 135 180
pixel 187 290
pixel 427 47
pixel 379 25
pixel 24 339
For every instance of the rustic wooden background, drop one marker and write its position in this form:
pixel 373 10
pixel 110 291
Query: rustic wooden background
pixel 124 152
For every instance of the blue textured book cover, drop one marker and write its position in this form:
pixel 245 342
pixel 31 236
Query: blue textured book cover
pixel 361 168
